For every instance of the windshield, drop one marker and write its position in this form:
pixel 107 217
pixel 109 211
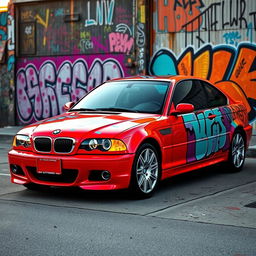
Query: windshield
pixel 126 96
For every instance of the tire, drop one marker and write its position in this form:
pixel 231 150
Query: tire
pixel 236 153
pixel 33 186
pixel 146 172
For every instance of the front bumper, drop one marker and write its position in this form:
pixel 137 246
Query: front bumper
pixel 75 170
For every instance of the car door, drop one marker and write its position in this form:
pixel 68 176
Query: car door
pixel 189 131
pixel 218 120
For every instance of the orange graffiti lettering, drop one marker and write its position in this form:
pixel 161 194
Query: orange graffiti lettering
pixel 173 14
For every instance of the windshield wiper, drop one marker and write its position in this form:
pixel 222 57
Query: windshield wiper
pixel 83 109
pixel 105 109
pixel 117 109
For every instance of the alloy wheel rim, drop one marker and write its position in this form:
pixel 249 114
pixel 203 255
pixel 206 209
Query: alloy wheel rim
pixel 147 170
pixel 238 150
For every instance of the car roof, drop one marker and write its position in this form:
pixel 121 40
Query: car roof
pixel 159 78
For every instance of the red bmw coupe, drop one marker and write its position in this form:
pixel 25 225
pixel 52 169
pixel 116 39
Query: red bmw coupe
pixel 132 133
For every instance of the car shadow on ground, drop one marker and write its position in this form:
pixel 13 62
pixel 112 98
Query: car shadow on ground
pixel 179 182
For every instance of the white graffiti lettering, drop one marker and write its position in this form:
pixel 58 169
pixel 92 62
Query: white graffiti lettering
pixel 42 93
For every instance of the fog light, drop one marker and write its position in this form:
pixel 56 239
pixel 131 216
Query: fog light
pixel 105 175
pixel 16 169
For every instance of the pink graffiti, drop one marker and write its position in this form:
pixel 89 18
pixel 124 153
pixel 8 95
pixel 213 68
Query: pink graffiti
pixel 42 93
pixel 119 42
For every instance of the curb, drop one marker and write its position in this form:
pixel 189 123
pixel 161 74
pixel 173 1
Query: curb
pixel 251 152
pixel 6 138
pixel 7 133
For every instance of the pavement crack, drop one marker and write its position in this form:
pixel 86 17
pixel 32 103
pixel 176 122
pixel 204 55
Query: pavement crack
pixel 121 213
pixel 68 207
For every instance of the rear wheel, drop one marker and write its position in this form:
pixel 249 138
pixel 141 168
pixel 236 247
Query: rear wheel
pixel 237 153
pixel 145 172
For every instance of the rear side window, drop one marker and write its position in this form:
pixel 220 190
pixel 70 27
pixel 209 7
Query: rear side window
pixel 199 93
pixel 215 97
pixel 190 91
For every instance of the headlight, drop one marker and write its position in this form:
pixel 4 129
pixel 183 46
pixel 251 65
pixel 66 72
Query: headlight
pixel 103 145
pixel 106 144
pixel 93 144
pixel 21 140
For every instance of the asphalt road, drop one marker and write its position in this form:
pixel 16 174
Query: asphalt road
pixel 200 213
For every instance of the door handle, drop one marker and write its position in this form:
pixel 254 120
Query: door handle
pixel 211 116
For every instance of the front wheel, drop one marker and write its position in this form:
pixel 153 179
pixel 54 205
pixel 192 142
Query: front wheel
pixel 146 171
pixel 237 153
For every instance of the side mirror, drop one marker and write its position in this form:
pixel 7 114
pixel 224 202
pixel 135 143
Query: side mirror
pixel 183 108
pixel 69 105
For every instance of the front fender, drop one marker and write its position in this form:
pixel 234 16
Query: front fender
pixel 138 136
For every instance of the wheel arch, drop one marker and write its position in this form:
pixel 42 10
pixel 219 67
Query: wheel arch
pixel 154 143
pixel 242 131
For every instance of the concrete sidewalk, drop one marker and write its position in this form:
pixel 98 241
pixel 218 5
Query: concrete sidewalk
pixel 229 207
pixel 252 149
pixel 8 132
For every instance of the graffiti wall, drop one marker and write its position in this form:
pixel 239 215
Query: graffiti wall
pixel 77 27
pixel 3 25
pixel 45 84
pixel 228 22
pixel 68 48
pixel 173 14
pixel 7 37
pixel 7 110
pixel 217 43
pixel 199 22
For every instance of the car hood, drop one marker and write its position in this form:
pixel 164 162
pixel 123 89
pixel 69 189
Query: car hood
pixel 86 124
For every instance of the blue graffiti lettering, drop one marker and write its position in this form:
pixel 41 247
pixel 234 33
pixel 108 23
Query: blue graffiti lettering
pixel 196 124
pixel 3 25
pixel 210 134
pixel 104 8
pixel 249 32
pixel 232 37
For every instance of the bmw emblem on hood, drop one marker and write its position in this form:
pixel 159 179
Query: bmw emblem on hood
pixel 56 131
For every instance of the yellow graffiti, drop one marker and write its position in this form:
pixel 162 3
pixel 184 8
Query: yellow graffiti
pixel 85 35
pixel 143 14
pixel 202 64
pixel 185 65
pixel 44 23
